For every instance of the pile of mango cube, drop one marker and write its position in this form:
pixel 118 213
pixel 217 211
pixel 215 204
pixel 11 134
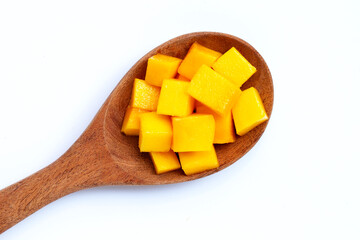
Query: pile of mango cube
pixel 184 107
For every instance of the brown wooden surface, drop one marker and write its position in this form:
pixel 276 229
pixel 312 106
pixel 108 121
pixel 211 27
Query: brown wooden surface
pixel 105 156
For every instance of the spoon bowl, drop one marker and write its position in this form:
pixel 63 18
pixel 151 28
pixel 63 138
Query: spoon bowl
pixel 104 156
pixel 121 146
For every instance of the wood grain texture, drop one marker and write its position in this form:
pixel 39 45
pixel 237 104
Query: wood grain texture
pixel 104 156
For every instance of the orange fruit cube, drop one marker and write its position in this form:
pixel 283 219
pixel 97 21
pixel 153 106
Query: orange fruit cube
pixel 248 111
pixel 195 58
pixel 196 162
pixel 234 67
pixel 161 67
pixel 224 125
pixel 155 132
pixel 174 99
pixel 131 122
pixel 182 78
pixel 213 90
pixel 193 133
pixel 144 95
pixel 165 161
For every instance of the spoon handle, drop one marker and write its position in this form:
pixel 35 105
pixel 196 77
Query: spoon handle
pixel 79 168
pixel 34 192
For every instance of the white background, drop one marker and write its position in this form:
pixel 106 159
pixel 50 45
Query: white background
pixel 60 60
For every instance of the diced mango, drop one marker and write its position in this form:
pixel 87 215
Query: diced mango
pixel 213 90
pixel 196 162
pixel 195 58
pixel 224 125
pixel 144 95
pixel 131 122
pixel 182 78
pixel 155 132
pixel 161 67
pixel 234 67
pixel 165 161
pixel 174 99
pixel 161 108
pixel 248 111
pixel 193 133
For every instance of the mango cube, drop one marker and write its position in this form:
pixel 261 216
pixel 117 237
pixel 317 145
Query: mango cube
pixel 195 58
pixel 224 125
pixel 144 95
pixel 234 67
pixel 161 67
pixel 196 162
pixel 155 132
pixel 131 122
pixel 182 78
pixel 213 90
pixel 248 111
pixel 193 133
pixel 174 99
pixel 165 161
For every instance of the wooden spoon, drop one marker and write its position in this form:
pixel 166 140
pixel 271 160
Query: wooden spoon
pixel 104 156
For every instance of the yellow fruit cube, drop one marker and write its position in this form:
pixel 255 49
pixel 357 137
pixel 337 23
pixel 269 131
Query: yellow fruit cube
pixel 234 67
pixel 161 67
pixel 248 111
pixel 195 58
pixel 196 162
pixel 165 161
pixel 131 122
pixel 144 95
pixel 174 99
pixel 155 132
pixel 193 133
pixel 182 78
pixel 224 125
pixel 213 90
